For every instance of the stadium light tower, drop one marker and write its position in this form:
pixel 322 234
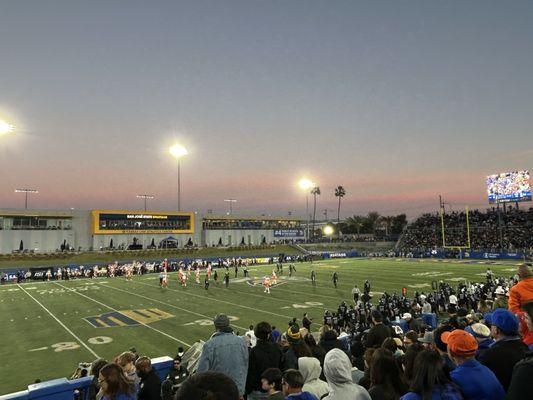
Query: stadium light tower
pixel 26 191
pixel 230 201
pixel 178 151
pixel 5 128
pixel 145 197
pixel 307 185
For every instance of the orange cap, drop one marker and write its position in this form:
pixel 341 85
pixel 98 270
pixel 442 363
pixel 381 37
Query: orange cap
pixel 460 342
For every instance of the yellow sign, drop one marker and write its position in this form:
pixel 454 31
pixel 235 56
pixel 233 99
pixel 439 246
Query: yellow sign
pixel 138 222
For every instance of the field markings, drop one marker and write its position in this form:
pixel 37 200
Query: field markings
pixel 223 301
pixel 60 323
pixel 114 309
pixel 168 304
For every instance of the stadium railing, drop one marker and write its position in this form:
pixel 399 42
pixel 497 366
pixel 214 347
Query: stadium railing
pixel 63 389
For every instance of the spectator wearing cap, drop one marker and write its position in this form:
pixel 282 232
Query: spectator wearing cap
pixel 412 323
pixel 379 332
pixel 263 355
pixel 297 347
pixel 501 299
pixel 476 381
pixel 508 348
pixel 428 340
pixel 226 353
pixel 481 333
pixel 520 387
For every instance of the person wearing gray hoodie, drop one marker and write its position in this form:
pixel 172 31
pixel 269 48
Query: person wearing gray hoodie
pixel 338 371
pixel 310 369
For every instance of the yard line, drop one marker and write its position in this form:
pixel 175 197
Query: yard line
pixel 222 301
pixel 114 309
pixel 59 322
pixel 169 304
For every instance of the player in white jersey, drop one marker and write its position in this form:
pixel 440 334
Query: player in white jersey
pixel 48 275
pixel 197 275
pixel 266 284
pixel 274 278
pixel 209 271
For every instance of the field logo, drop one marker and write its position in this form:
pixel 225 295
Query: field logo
pixel 127 318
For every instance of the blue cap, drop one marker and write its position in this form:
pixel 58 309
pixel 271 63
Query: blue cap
pixel 505 321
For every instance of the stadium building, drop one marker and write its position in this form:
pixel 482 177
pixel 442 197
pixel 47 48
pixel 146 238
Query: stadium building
pixel 50 231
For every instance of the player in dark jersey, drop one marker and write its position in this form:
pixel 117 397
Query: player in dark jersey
pixel 313 277
pixel 226 279
pixel 335 279
pixel 206 283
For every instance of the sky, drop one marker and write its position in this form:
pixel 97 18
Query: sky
pixel 397 101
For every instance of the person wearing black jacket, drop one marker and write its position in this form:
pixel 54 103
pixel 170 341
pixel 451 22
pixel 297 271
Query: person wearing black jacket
pixel 263 355
pixel 508 348
pixel 150 386
pixel 378 333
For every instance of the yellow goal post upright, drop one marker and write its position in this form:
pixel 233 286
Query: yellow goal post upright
pixel 443 231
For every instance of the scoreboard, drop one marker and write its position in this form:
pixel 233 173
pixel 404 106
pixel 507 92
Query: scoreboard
pixel 128 222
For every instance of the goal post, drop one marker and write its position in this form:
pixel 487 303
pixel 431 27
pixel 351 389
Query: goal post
pixel 443 231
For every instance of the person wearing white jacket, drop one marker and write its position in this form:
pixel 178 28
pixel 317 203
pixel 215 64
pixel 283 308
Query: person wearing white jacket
pixel 338 371
pixel 310 369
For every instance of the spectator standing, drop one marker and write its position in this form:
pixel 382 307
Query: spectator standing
pixel 476 381
pixel 114 384
pixel 263 356
pixel 226 353
pixel 386 380
pixel 379 332
pixel 297 347
pixel 520 387
pixel 94 388
pixel 126 361
pixel 306 322
pixel 150 386
pixel 508 348
pixel 310 369
pixel 338 371
pixel 522 292
pixel 430 381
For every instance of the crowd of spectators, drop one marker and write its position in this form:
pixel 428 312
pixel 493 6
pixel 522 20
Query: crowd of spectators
pixel 372 349
pixel 492 230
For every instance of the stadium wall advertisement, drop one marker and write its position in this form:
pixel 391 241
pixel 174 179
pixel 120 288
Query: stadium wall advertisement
pixel 288 233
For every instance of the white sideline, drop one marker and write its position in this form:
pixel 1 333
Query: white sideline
pixel 60 323
pixel 169 304
pixel 114 309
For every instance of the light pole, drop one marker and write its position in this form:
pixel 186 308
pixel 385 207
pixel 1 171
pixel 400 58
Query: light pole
pixel 306 184
pixel 230 201
pixel 5 128
pixel 145 197
pixel 178 151
pixel 26 191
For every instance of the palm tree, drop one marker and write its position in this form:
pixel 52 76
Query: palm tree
pixel 387 220
pixel 340 193
pixel 315 192
pixel 355 222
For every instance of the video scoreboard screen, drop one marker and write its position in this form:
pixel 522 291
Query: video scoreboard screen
pixel 509 187
pixel 113 222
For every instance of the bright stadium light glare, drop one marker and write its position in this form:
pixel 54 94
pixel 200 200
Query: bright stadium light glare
pixel 328 230
pixel 177 151
pixel 5 128
pixel 305 184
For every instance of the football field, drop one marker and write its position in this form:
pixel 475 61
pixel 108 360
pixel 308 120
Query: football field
pixel 50 327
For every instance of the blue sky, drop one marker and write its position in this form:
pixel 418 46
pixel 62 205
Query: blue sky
pixel 397 101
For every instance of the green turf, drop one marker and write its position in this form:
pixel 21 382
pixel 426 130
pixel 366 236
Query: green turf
pixel 31 337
